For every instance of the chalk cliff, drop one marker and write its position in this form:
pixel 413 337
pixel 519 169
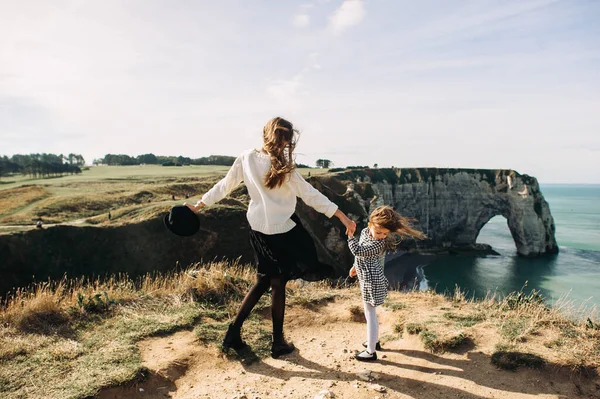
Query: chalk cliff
pixel 452 205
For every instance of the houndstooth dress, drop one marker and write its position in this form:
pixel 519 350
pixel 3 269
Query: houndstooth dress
pixel 369 257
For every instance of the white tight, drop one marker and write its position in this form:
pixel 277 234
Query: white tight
pixel 372 327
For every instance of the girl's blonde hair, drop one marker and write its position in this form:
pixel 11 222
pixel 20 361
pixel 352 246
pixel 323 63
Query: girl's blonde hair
pixel 386 217
pixel 279 140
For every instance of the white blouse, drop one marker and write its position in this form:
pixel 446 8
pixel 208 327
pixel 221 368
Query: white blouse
pixel 269 210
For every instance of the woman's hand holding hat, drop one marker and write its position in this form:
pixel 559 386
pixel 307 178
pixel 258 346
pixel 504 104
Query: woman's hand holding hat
pixel 195 208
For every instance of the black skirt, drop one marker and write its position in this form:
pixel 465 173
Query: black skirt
pixel 291 254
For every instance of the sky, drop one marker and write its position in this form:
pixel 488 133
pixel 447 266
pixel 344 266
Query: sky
pixel 429 83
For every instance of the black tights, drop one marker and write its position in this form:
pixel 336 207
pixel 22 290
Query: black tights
pixel 263 283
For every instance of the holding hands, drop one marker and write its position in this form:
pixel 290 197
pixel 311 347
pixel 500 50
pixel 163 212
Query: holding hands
pixel 347 222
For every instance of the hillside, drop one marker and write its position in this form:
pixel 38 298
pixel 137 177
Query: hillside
pixel 110 221
pixel 159 336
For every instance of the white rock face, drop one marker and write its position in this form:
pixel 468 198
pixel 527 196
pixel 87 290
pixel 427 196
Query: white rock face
pixel 450 205
pixel 451 208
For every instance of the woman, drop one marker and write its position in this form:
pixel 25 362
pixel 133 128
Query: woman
pixel 283 249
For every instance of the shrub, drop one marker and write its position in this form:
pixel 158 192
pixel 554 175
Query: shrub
pixel 40 315
pixel 97 303
pixel 415 328
pixel 357 314
pixel 432 342
pixel 513 360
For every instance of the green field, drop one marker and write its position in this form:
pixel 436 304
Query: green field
pixel 129 193
pixel 109 173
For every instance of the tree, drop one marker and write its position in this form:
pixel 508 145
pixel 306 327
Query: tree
pixel 119 159
pixel 149 159
pixel 375 166
pixel 324 163
pixel 7 167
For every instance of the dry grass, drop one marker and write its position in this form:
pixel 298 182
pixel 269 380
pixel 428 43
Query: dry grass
pixel 40 314
pixel 563 335
pixel 17 198
pixel 443 343
pixel 78 336
pixel 523 318
pixel 131 194
pixel 87 329
pixel 357 314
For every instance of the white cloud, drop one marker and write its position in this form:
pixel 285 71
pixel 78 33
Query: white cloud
pixel 479 84
pixel 289 89
pixel 285 89
pixel 350 13
pixel 301 20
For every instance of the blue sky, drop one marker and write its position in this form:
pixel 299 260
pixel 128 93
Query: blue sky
pixel 485 84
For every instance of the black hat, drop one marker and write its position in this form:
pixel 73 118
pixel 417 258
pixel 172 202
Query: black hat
pixel 182 221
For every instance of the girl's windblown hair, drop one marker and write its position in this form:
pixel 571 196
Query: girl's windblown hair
pixel 279 140
pixel 385 216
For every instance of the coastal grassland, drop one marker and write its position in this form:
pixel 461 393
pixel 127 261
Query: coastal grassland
pixel 87 198
pixel 71 338
pixel 78 336
pixel 20 197
pixel 517 326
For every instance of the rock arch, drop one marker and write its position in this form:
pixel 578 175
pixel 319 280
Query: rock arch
pixel 452 205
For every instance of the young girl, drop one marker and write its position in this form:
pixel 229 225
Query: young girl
pixel 369 253
pixel 283 249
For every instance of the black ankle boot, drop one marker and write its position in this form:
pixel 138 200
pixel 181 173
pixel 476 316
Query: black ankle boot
pixel 233 339
pixel 280 348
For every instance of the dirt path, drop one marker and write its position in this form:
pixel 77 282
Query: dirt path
pixel 326 339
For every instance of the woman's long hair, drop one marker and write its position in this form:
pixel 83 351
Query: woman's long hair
pixel 279 140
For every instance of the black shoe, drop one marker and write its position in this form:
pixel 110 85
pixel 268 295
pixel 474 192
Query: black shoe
pixel 365 356
pixel 233 339
pixel 281 348
pixel 377 346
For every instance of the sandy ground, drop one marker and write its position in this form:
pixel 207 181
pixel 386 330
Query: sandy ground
pixel 326 339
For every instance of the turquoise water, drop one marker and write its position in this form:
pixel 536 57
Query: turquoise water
pixel 574 272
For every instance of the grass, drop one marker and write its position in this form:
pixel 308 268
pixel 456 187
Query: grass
pixel 394 305
pixel 513 360
pixel 524 318
pixel 129 193
pixel 25 196
pixel 465 320
pixel 357 314
pixel 116 173
pixel 79 336
pixel 515 329
pixel 441 343
pixel 129 173
pixel 415 328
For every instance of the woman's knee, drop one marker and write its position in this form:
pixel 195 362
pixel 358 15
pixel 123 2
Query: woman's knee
pixel 278 283
pixel 262 282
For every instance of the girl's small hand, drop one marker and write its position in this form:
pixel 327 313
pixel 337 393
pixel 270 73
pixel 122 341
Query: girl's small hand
pixel 352 272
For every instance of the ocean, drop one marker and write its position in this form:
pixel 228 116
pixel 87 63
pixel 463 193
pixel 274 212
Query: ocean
pixel 573 274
